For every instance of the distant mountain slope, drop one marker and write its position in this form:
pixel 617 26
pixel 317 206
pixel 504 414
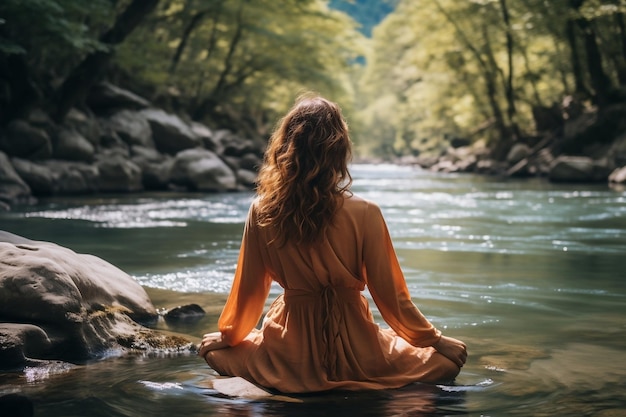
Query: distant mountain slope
pixel 367 12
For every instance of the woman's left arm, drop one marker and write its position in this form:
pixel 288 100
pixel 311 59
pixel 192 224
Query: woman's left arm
pixel 251 286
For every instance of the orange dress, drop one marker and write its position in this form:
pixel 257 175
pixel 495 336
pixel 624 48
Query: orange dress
pixel 320 334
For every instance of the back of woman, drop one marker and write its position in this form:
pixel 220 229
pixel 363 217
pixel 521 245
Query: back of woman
pixel 323 245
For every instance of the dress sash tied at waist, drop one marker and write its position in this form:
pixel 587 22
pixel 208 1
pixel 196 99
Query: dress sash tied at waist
pixel 330 298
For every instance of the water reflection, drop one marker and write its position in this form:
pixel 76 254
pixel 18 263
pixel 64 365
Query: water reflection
pixel 180 386
pixel 529 274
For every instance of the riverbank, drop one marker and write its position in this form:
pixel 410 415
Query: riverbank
pixel 120 142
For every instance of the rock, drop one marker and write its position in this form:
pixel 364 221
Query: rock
pixel 239 387
pixel 13 189
pixel 206 137
pixel 105 98
pixel 426 161
pixel 537 164
pixel 156 175
pixel 490 167
pixel 578 169
pixel 146 154
pixel 118 174
pixel 233 145
pixel 188 313
pixel 131 126
pixel 250 161
pixel 202 170
pixel 73 177
pixel 25 141
pixel 518 152
pixel 42 180
pixel 110 142
pixel 72 146
pixel 169 132
pixel 239 147
pixel 246 178
pixel 617 151
pixel 59 304
pixel 618 176
pixel 155 167
pixel 87 126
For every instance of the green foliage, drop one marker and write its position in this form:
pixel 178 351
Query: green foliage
pixel 432 69
pixel 35 26
pixel 435 64
pixel 228 61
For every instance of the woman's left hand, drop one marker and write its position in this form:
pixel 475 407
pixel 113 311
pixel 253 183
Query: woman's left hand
pixel 211 341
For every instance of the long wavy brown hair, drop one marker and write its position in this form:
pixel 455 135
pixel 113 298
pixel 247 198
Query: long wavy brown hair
pixel 305 171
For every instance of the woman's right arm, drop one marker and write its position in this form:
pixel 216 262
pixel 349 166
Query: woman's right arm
pixel 387 285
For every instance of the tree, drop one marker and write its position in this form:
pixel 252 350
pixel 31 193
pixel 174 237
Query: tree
pixel 455 66
pixel 238 64
pixel 76 86
pixel 39 42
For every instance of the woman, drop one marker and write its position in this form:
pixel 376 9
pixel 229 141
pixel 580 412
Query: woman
pixel 323 245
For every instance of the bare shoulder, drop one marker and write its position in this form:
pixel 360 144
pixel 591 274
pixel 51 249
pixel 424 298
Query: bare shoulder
pixel 357 203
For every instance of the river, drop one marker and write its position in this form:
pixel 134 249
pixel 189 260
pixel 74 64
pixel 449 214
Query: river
pixel 531 275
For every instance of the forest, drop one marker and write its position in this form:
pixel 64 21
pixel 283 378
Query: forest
pixel 412 76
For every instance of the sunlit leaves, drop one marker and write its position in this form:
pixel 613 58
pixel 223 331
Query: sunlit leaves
pixel 432 60
pixel 244 56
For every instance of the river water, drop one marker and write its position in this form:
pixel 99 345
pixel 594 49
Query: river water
pixel 531 275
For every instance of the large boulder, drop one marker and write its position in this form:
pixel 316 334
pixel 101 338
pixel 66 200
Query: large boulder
pixel 518 152
pixel 202 170
pixel 233 145
pixel 205 135
pixel 70 145
pixel 74 177
pixel 105 98
pixel 131 126
pixel 155 167
pixel 61 305
pixel 85 124
pixel 578 169
pixel 618 176
pixel 42 180
pixel 13 189
pixel 170 133
pixel 118 174
pixel 26 141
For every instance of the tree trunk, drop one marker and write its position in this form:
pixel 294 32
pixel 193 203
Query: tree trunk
pixel 577 70
pixel 599 80
pixel 222 84
pixel 621 72
pixel 487 74
pixel 77 85
pixel 193 23
pixel 501 146
pixel 510 92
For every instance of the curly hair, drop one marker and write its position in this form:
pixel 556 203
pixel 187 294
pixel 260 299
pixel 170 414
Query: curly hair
pixel 305 171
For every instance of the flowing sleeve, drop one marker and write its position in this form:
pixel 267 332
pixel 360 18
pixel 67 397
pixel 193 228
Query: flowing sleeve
pixel 387 285
pixel 251 286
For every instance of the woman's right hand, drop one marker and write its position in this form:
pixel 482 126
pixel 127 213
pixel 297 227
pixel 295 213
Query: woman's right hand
pixel 211 341
pixel 453 349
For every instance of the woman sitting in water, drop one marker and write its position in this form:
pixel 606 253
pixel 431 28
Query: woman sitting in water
pixel 323 245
